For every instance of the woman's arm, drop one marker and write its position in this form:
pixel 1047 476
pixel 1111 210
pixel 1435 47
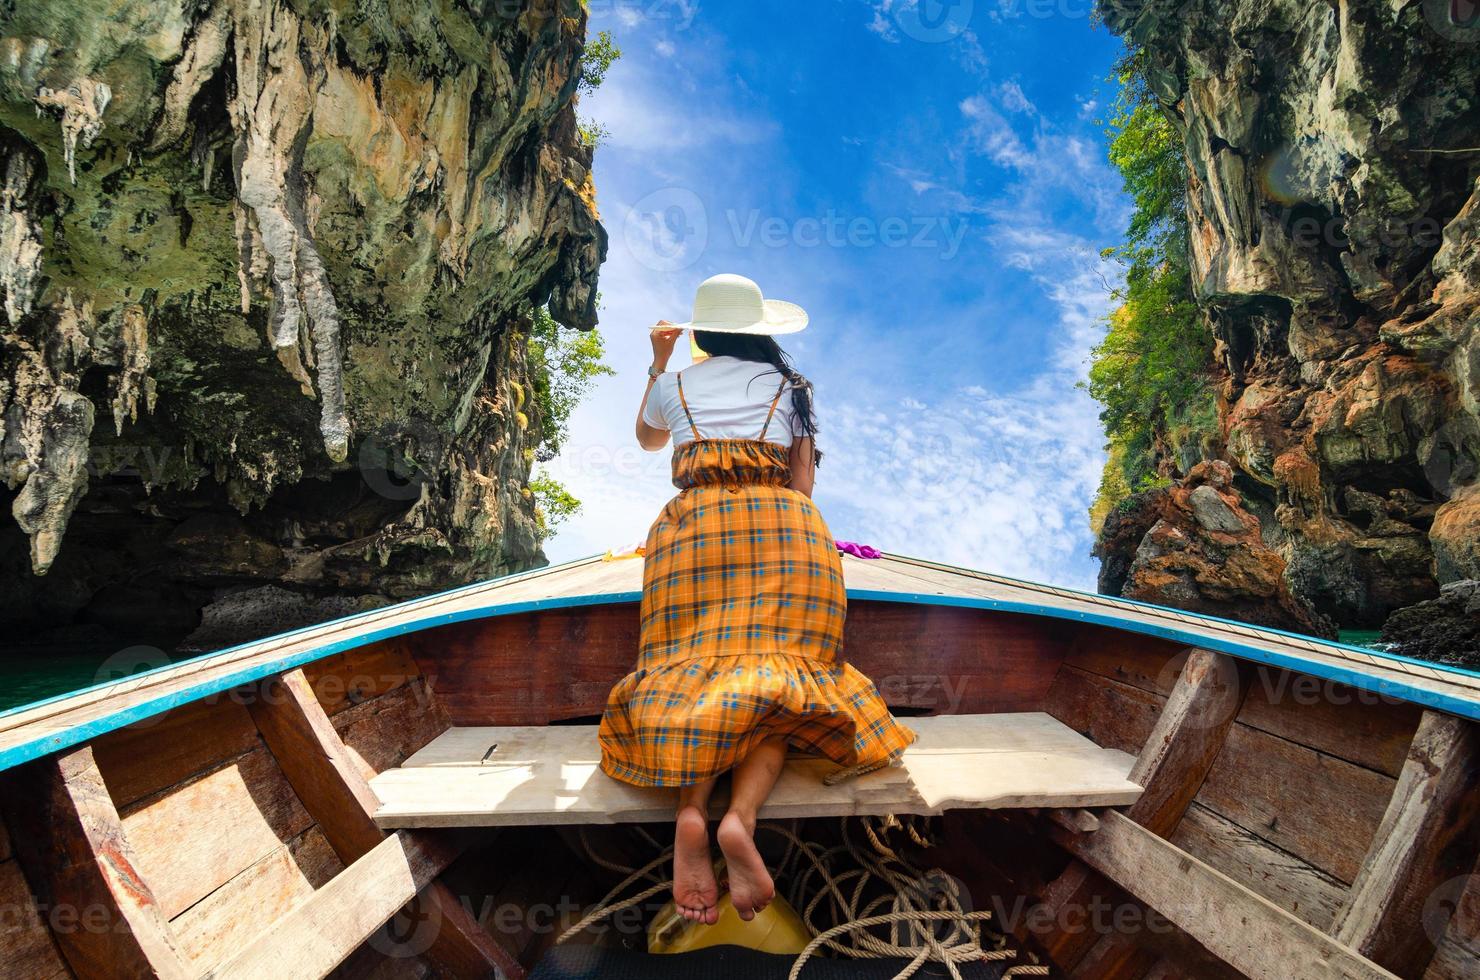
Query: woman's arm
pixel 651 437
pixel 803 465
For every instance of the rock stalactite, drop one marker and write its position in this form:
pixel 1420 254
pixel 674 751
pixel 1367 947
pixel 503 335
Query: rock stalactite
pixel 1333 192
pixel 289 247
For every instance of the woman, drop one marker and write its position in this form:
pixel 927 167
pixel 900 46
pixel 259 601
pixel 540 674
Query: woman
pixel 743 600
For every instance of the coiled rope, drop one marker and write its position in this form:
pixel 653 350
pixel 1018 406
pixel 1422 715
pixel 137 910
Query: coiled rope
pixel 926 920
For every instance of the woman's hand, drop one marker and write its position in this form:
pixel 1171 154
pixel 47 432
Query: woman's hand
pixel 664 336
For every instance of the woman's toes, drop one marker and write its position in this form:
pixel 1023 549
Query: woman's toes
pixel 751 887
pixel 694 887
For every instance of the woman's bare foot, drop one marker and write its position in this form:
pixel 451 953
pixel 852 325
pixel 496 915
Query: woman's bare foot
pixel 695 891
pixel 751 887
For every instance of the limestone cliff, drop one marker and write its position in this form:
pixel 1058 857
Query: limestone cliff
pixel 264 264
pixel 1333 157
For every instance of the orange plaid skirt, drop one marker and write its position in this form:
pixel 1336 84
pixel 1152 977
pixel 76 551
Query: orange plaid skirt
pixel 742 617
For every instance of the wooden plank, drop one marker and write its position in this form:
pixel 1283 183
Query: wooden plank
pixel 328 779
pixel 549 775
pixel 1428 836
pixel 326 927
pixel 1455 924
pixel 26 945
pixel 1188 735
pixel 1109 713
pixel 251 811
pixel 1322 809
pixel 383 732
pixel 355 676
pixel 153 755
pixel 1361 727
pixel 72 847
pixel 1244 929
pixel 331 778
pixel 1258 865
pixel 980 661
pixel 1358 726
pixel 217 925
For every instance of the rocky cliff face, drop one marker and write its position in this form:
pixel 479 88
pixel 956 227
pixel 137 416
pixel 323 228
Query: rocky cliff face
pixel 1333 153
pixel 264 265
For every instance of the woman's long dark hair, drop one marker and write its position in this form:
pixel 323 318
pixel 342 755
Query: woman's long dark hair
pixel 765 350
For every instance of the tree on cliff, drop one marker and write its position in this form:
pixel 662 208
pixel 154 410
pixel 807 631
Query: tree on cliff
pixel 1150 373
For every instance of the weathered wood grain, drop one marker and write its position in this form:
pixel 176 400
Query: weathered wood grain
pixel 347 679
pixel 1319 808
pixel 1455 921
pixel 324 929
pixel 1110 713
pixel 1429 835
pixel 151 756
pixel 224 920
pixel 1188 735
pixel 1140 661
pixel 1258 865
pixel 331 778
pixel 548 775
pixel 1241 927
pixel 251 811
pixel 978 661
pixel 26 946
pixel 328 779
pixel 71 845
pixel 1341 721
pixel 383 732
pixel 1358 726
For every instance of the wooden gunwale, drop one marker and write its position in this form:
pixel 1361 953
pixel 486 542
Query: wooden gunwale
pixel 1127 850
pixel 33 731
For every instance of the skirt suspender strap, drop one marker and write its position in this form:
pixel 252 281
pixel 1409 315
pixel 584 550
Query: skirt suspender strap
pixel 762 436
pixel 685 403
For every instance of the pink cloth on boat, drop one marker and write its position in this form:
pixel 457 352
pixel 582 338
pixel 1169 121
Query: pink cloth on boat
pixel 858 550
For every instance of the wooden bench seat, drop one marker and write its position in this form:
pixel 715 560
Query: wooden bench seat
pixel 487 777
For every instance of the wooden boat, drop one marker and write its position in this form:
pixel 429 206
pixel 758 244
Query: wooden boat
pixel 1275 805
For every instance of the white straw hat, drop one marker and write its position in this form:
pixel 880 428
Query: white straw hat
pixel 733 304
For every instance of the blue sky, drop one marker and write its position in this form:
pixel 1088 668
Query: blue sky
pixel 929 180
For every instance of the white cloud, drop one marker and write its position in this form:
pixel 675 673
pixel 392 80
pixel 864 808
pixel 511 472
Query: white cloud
pixel 640 114
pixel 994 479
pixel 1013 99
pixel 989 132
pixel 664 47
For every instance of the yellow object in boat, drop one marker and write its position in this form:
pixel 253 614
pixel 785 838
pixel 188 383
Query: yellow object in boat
pixel 775 929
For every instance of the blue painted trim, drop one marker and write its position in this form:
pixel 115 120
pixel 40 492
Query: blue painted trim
pixel 1153 607
pixel 31 750
pixel 1244 651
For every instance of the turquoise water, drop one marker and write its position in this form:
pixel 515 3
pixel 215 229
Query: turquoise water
pixel 34 676
pixel 1361 638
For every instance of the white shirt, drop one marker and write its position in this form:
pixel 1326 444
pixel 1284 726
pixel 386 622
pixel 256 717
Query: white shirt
pixel 729 399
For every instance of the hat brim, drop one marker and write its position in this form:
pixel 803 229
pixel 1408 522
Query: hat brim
pixel 780 317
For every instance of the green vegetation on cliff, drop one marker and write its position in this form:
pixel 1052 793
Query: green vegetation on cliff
pixel 563 365
pixel 1150 373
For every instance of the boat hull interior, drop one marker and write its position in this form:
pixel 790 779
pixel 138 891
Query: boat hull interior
pixel 1285 824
